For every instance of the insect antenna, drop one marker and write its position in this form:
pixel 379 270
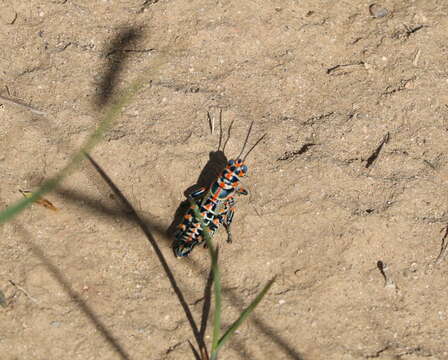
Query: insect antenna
pixel 228 136
pixel 253 146
pixel 245 141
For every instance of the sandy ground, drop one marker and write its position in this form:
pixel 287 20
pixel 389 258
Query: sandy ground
pixel 348 190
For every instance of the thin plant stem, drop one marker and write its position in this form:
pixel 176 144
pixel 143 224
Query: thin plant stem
pixel 216 278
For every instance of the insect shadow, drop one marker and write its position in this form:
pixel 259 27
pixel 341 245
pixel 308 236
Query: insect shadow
pixel 219 182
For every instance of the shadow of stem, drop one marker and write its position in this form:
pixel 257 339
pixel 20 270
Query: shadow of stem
pixel 65 283
pixel 127 206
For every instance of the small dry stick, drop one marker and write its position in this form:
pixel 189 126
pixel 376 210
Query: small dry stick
pixel 443 247
pixel 18 287
pixel 377 151
pixel 211 123
pixel 416 57
pixel 22 105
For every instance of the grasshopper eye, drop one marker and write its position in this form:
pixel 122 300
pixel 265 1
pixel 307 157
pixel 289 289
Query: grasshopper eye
pixel 244 169
pixel 231 162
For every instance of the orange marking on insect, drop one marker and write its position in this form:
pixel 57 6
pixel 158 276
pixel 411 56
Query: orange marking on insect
pixel 216 221
pixel 187 216
pixel 215 196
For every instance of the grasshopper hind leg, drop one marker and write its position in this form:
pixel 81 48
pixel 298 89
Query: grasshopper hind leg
pixel 229 218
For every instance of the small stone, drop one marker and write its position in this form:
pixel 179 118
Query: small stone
pixel 377 11
pixel 8 15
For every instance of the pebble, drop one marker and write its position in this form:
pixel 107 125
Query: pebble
pixel 8 15
pixel 377 11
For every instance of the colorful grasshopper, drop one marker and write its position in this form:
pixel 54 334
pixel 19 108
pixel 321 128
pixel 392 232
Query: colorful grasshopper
pixel 216 204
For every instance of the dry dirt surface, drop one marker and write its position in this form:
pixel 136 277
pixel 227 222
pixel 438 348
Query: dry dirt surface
pixel 348 190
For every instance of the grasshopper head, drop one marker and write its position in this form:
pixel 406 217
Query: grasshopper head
pixel 237 167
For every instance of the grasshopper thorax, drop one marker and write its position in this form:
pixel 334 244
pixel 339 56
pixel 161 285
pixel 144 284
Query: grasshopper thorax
pixel 229 181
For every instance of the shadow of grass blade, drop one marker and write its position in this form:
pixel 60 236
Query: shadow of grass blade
pixel 112 112
pixel 216 279
pixel 231 330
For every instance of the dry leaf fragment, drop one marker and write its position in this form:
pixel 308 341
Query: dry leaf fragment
pixel 41 201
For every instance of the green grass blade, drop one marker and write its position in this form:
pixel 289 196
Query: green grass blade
pixel 22 204
pixel 112 112
pixel 216 280
pixel 231 330
pixel 218 306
